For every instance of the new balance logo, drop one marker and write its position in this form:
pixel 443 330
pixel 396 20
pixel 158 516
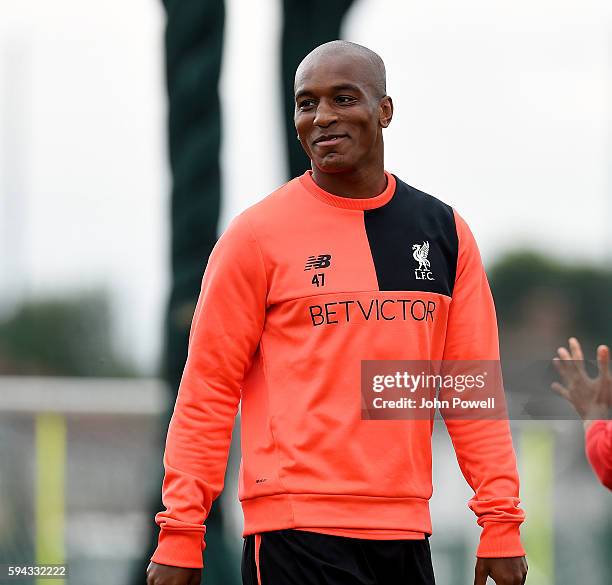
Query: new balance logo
pixel 316 262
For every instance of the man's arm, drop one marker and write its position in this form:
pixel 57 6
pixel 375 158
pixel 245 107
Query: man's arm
pixel 225 332
pixel 484 447
pixel 599 450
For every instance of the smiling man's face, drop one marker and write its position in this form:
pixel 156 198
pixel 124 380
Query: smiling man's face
pixel 340 112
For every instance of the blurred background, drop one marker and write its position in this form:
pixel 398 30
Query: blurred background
pixel 131 133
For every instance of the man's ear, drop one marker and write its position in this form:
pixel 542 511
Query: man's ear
pixel 386 111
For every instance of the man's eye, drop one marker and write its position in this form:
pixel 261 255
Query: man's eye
pixel 304 104
pixel 344 99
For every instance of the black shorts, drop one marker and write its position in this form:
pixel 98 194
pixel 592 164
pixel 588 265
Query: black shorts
pixel 296 557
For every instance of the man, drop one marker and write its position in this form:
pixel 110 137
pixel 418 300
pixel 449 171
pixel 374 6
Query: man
pixel 303 286
pixel 592 398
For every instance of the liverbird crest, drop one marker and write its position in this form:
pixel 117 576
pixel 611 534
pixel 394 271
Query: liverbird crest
pixel 419 253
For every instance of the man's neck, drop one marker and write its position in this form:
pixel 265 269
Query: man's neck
pixel 355 184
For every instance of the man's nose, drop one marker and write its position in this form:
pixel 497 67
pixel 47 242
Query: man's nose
pixel 325 115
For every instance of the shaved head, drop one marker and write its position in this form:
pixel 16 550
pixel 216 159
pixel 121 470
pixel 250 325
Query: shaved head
pixel 373 65
pixel 341 108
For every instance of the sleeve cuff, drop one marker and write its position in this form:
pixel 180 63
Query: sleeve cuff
pixel 179 548
pixel 499 540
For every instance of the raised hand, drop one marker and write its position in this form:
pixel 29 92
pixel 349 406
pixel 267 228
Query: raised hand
pixel 591 397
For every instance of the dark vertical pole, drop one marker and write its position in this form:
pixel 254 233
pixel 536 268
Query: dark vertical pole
pixel 193 43
pixel 194 38
pixel 306 25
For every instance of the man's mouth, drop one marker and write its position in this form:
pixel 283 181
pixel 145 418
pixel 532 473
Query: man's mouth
pixel 329 139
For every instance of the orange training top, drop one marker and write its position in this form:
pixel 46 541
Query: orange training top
pixel 299 289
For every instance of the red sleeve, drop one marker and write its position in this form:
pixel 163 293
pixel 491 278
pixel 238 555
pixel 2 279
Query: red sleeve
pixel 483 447
pixel 599 450
pixel 225 332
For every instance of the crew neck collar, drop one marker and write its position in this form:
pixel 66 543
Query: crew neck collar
pixel 349 202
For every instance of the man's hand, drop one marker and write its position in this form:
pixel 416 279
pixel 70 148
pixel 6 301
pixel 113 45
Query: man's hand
pixel 591 397
pixel 505 571
pixel 166 575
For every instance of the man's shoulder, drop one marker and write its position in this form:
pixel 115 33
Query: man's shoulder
pixel 421 198
pixel 274 203
pixel 258 220
pixel 413 204
pixel 280 196
pixel 434 211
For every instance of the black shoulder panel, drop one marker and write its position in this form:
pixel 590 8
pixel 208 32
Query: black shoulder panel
pixel 413 240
